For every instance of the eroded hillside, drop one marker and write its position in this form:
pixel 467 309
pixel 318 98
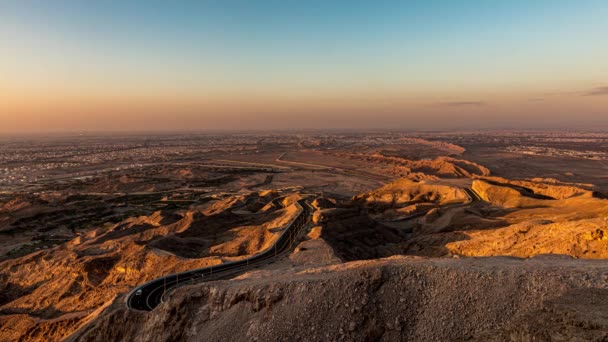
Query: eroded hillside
pixel 403 238
pixel 401 298
pixel 54 290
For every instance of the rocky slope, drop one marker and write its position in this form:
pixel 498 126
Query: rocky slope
pixel 547 187
pixel 516 221
pixel 52 292
pixel 401 298
pixel 440 167
pixel 405 197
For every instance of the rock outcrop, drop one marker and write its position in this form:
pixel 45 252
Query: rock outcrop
pixel 399 298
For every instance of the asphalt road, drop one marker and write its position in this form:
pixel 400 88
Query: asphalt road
pixel 472 195
pixel 147 296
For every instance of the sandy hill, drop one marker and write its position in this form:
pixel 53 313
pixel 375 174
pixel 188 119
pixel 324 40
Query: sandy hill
pixel 510 220
pixel 443 167
pixel 506 195
pixel 405 197
pixel 551 189
pixel 404 191
pixel 516 222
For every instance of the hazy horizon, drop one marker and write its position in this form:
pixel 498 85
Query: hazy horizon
pixel 135 66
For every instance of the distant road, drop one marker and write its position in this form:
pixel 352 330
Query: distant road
pixel 368 175
pixel 314 166
pixel 249 163
pixel 473 196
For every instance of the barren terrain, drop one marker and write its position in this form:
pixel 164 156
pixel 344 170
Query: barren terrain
pixel 407 236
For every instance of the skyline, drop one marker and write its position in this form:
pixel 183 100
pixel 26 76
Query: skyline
pixel 151 66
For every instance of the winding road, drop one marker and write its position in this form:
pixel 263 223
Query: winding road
pixel 149 295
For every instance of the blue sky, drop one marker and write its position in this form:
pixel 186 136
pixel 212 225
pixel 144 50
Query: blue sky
pixel 399 54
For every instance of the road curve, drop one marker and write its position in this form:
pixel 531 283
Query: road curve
pixel 147 296
pixel 152 292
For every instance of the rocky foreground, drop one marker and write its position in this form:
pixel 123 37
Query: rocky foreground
pixel 398 298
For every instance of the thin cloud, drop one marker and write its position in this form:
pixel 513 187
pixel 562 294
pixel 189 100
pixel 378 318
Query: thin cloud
pixel 462 104
pixel 599 91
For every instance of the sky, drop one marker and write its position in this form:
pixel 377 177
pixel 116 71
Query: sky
pixel 68 65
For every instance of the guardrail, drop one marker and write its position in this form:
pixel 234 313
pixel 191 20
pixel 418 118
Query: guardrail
pixel 159 287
